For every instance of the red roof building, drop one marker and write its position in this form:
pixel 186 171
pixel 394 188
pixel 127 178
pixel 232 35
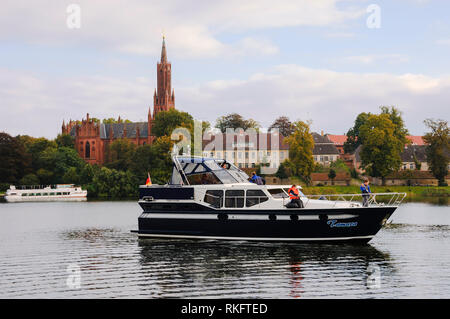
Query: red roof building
pixel 416 140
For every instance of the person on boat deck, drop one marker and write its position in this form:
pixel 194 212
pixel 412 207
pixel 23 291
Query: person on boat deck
pixel 365 189
pixel 256 179
pixel 294 196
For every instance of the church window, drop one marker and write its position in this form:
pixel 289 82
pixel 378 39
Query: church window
pixel 87 153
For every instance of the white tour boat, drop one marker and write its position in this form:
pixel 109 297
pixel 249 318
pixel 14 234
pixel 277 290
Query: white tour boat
pixel 51 193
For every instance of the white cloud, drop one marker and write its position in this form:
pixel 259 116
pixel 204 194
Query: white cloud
pixel 443 42
pixel 330 99
pixel 36 105
pixel 193 27
pixel 374 58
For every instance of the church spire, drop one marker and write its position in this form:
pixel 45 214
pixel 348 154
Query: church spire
pixel 163 100
pixel 163 51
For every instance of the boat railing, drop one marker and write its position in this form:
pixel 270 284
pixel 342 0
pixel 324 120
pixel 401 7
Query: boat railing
pixel 24 187
pixel 56 186
pixel 366 200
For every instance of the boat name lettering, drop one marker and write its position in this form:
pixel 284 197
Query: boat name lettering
pixel 334 223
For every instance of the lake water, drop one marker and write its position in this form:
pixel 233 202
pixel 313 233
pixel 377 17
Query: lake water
pixel 70 250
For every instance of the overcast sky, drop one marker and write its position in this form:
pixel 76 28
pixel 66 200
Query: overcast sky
pixel 310 60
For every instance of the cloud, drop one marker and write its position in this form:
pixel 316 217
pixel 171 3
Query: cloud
pixel 330 99
pixel 443 42
pixel 374 58
pixel 193 28
pixel 36 105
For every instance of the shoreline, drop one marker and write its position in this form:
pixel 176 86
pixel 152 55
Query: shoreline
pixel 414 193
pixel 411 191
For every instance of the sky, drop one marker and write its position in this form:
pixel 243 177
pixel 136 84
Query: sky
pixel 323 61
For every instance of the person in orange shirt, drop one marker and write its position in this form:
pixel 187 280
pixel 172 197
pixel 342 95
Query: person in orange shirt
pixel 294 196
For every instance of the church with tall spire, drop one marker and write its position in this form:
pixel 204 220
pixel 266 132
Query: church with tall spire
pixel 92 137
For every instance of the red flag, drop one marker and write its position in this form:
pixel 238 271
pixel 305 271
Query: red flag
pixel 149 181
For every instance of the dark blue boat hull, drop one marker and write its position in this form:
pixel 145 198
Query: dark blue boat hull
pixel 303 225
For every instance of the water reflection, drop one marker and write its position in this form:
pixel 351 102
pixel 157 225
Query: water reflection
pixel 245 269
pixel 439 201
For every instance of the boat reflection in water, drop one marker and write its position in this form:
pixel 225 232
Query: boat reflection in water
pixel 267 270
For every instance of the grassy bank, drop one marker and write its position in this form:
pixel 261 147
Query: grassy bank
pixel 412 191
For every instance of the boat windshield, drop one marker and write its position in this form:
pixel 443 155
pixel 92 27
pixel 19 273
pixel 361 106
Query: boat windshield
pixel 195 171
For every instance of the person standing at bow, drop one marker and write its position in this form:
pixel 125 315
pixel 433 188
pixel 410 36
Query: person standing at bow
pixel 365 189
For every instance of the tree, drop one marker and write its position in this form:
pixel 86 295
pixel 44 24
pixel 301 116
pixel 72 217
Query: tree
pixel 438 148
pixel 332 175
pixel 395 116
pixel 301 144
pixel 15 162
pixel 340 166
pixel 353 138
pixel 284 126
pixel 29 179
pixel 112 120
pixel 71 176
pixel 165 122
pixel 282 171
pixel 113 183
pixel 381 148
pixel 235 121
pixel 162 169
pixel 154 159
pixel 119 154
pixel 58 161
pixel 65 140
pixel 35 147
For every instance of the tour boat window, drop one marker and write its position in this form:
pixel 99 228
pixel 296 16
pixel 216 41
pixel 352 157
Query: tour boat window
pixel 38 194
pixel 214 197
pixel 24 194
pixel 31 194
pixel 45 194
pixel 58 193
pixel 255 197
pixel 278 193
pixel 234 198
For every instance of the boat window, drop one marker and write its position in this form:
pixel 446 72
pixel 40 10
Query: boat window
pixel 255 197
pixel 58 193
pixel 24 194
pixel 52 194
pixel 278 193
pixel 202 179
pixel 225 177
pixel 234 198
pixel 38 194
pixel 176 177
pixel 45 194
pixel 193 168
pixel 212 165
pixel 214 197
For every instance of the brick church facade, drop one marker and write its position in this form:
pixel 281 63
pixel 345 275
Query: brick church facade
pixel 92 138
